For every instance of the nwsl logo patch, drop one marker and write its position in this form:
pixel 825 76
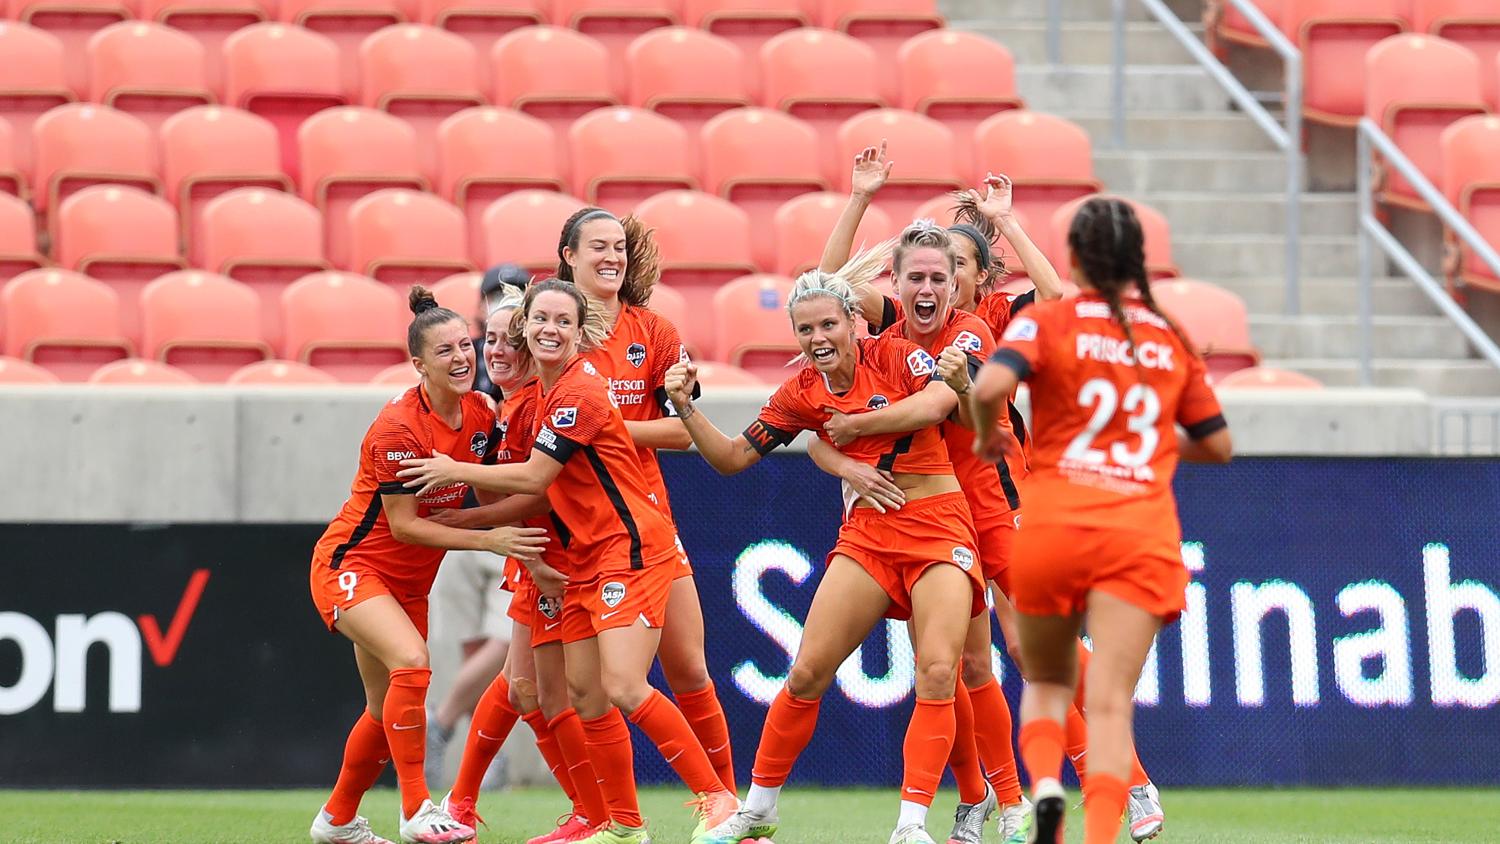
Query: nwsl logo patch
pixel 920 363
pixel 636 354
pixel 565 417
pixel 968 341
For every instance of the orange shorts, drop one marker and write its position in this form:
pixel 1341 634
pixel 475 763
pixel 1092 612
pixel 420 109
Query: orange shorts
pixel 336 590
pixel 898 548
pixel 1057 566
pixel 996 537
pixel 621 598
pixel 684 567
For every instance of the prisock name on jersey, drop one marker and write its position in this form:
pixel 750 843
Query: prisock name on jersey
pixel 1149 354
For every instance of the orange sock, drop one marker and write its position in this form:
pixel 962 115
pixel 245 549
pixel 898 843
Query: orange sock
pixel 568 731
pixel 663 724
pixel 929 741
pixel 964 758
pixel 1138 774
pixel 1084 655
pixel 608 742
pixel 1103 808
pixel 1042 749
pixel 405 718
pixel 551 752
pixel 992 733
pixel 493 720
pixel 789 726
pixel 365 755
pixel 706 716
pixel 1077 743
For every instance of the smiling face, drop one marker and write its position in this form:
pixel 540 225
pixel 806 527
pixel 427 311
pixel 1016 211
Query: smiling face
pixel 552 328
pixel 501 360
pixel 598 258
pixel 825 333
pixel 967 274
pixel 447 358
pixel 924 282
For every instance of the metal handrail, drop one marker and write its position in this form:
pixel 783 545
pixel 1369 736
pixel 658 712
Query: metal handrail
pixel 1371 140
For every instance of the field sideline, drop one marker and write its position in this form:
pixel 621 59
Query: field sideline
pixel 1450 816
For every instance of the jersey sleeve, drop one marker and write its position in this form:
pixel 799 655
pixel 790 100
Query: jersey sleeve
pixel 890 314
pixel 1021 347
pixel 907 364
pixel 666 351
pixel 1198 410
pixel 572 417
pixel 975 340
pixel 784 416
pixel 391 442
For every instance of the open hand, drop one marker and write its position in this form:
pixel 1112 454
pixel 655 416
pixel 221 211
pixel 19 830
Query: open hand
pixel 995 202
pixel 523 543
pixel 871 169
pixel 428 473
pixel 842 428
pixel 877 487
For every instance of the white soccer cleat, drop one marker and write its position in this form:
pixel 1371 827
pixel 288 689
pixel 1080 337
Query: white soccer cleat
pixel 357 831
pixel 912 833
pixel 1015 822
pixel 741 826
pixel 432 825
pixel 969 819
pixel 1145 812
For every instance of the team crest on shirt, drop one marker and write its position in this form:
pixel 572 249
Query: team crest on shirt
pixel 877 401
pixel 565 417
pixel 550 607
pixel 1021 329
pixel 636 354
pixel 478 443
pixel 968 341
pixel 963 558
pixel 612 593
pixel 920 363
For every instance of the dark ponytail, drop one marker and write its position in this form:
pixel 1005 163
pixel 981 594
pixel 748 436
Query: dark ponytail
pixel 427 313
pixel 642 263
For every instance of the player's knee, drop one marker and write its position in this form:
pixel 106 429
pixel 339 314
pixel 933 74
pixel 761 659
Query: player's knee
pixel 1103 702
pixel 806 683
pixel 977 669
pixel 937 678
pixel 688 676
pixel 415 657
pixel 626 692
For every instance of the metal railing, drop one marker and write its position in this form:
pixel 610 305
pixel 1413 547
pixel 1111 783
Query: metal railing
pixel 1372 141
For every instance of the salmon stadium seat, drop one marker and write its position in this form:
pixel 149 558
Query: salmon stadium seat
pixel 460 292
pixel 758 159
pixel 347 325
pixel 348 152
pixel 1154 227
pixel 18 247
pixel 82 144
pixel 748 24
pixel 1267 378
pixel 205 324
pixel 120 235
pixel 402 375
pixel 403 237
pixel 11 180
pixel 1471 181
pixel 207 151
pixel 1474 24
pixel 32 81
pixel 615 23
pixel 939 209
pixel 883 25
pixel 137 372
pixel 686 74
pixel 527 76
pixel 752 327
pixel 482 22
pixel 820 76
pixel 346 23
pixel 1224 22
pixel 485 153
pixel 1214 319
pixel 147 69
pixel 704 243
pixel 1334 36
pixel 672 305
pixel 959 79
pixel 713 375
pixel 423 75
pixel 523 228
pixel 1049 159
pixel 18 373
pixel 280 373
pixel 1415 87
pixel 63 321
pixel 622 155
pixel 803 224
pixel 923 146
pixel 210 22
pixel 285 74
pixel 73 23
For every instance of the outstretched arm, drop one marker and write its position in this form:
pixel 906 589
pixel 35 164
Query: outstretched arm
pixel 406 526
pixel 529 478
pixel 728 456
pixel 995 204
pixel 871 169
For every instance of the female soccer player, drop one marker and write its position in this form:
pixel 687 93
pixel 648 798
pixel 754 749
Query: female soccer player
pixel 623 556
pixel 613 262
pixel 1109 376
pixel 375 564
pixel 918 562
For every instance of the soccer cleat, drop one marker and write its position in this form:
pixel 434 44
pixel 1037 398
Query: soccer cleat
pixel 912 833
pixel 437 748
pixel 969 819
pixel 432 825
pixel 464 811
pixel 570 828
pixel 711 810
pixel 1051 805
pixel 357 831
pixel 614 833
pixel 1145 813
pixel 740 826
pixel 1015 822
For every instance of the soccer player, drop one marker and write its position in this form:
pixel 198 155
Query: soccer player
pixel 919 562
pixel 373 567
pixel 1110 377
pixel 614 263
pixel 623 554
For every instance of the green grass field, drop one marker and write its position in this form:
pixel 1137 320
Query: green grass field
pixel 808 816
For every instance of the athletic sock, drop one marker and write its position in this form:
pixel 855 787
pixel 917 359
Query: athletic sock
pixel 568 730
pixel 365 755
pixel 761 800
pixel 405 719
pixel 1042 749
pixel 1138 776
pixel 912 813
pixel 608 741
pixel 964 758
pixel 789 726
pixel 1077 743
pixel 1103 808
pixel 546 744
pixel 706 716
pixel 493 720
pixel 664 724
pixel 929 741
pixel 992 733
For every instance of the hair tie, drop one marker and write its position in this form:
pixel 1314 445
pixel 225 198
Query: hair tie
pixel 981 243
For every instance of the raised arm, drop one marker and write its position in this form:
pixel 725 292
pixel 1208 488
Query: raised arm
pixel 871 169
pixel 727 456
pixel 913 413
pixel 995 204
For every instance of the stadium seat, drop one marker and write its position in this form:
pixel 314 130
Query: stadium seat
pixel 147 69
pixel 485 153
pixel 960 79
pixel 1214 319
pixel 622 155
pixel 686 74
pixel 615 23
pixel 401 237
pixel 704 243
pixel 939 209
pixel 923 146
pixel 63 321
pixel 210 22
pixel 402 375
pixel 344 324
pixel 482 22
pixel 528 77
pixel 1265 377
pixel 672 305
pixel 1154 227
pixel 823 77
pixel 752 328
pixel 748 24
pixel 346 23
pixel 280 373
pixel 1049 159
pixel 1415 87
pixel 348 152
pixel 523 228
pixel 803 224
pixel 284 74
pixel 207 151
pixel 120 235
pixel 205 324
pixel 423 75
pixel 19 373
pixel 1471 181
pixel 32 81
pixel 82 144
pixel 460 292
pixel 1334 36
pixel 264 239
pixel 712 375
pixel 758 159
pixel 73 23
pixel 884 25
pixel 1225 22
pixel 11 180
pixel 137 372
pixel 1472 23
pixel 18 248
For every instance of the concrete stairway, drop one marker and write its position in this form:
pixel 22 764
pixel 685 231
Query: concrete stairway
pixel 1219 181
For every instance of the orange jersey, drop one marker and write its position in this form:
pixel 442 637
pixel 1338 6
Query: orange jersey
pixel 1105 445
pixel 889 368
pixel 405 428
pixel 511 442
pixel 604 494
